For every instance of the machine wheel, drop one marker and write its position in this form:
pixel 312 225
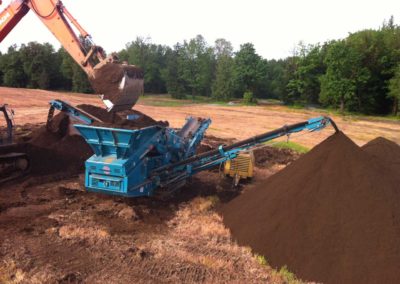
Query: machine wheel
pixel 13 166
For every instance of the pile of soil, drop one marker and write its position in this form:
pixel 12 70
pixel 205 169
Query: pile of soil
pixel 331 216
pixel 211 142
pixel 55 160
pixel 119 119
pixel 387 151
pixel 266 156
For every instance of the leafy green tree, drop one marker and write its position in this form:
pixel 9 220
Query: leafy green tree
pixel 291 92
pixel 394 91
pixel 174 84
pixel 66 69
pixel 223 85
pixel 344 77
pixel 371 95
pixel 275 79
pixel 40 65
pixel 359 73
pixel 151 58
pixel 12 68
pixel 80 82
pixel 305 85
pixel 196 66
pixel 73 75
pixel 249 70
pixel 223 48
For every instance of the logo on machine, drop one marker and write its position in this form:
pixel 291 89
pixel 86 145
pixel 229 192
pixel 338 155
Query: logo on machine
pixel 106 170
pixel 4 18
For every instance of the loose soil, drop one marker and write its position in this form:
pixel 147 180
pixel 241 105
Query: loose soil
pixel 108 77
pixel 57 233
pixel 267 156
pixel 331 216
pixel 385 150
pixel 119 119
pixel 59 153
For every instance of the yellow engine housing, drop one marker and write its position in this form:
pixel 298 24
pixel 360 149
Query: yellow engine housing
pixel 241 167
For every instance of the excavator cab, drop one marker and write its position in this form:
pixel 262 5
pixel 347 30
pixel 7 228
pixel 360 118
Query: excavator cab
pixel 12 165
pixel 6 125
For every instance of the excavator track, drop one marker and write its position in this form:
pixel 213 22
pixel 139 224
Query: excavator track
pixel 13 166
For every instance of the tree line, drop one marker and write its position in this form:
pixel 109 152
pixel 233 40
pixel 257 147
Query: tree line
pixel 36 65
pixel 360 73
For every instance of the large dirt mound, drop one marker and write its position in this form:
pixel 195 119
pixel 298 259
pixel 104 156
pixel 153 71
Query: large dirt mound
pixel 385 150
pixel 332 216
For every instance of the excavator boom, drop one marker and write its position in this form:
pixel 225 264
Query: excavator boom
pixel 119 84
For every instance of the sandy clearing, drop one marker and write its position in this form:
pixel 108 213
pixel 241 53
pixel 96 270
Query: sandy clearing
pixel 238 122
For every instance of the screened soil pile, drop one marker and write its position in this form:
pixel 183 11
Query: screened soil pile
pixel 385 150
pixel 332 216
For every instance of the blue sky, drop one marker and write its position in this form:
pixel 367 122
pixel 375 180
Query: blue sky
pixel 275 27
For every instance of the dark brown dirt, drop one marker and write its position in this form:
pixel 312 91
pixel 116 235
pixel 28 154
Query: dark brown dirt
pixel 267 156
pixel 385 150
pixel 107 79
pixel 62 158
pixel 60 153
pixel 57 233
pixel 23 133
pixel 119 119
pixel 210 142
pixel 331 216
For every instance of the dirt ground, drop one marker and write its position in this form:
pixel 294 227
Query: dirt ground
pixel 31 106
pixel 57 233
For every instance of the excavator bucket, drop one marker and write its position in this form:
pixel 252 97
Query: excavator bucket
pixel 119 84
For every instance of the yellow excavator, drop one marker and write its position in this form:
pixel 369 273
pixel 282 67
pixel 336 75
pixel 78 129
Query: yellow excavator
pixel 118 84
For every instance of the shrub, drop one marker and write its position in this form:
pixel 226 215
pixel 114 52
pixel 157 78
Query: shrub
pixel 248 98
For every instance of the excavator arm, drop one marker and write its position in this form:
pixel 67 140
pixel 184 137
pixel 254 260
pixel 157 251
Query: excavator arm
pixel 119 84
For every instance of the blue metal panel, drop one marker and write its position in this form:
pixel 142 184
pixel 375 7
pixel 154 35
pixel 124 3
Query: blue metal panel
pixel 71 111
pixel 113 141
